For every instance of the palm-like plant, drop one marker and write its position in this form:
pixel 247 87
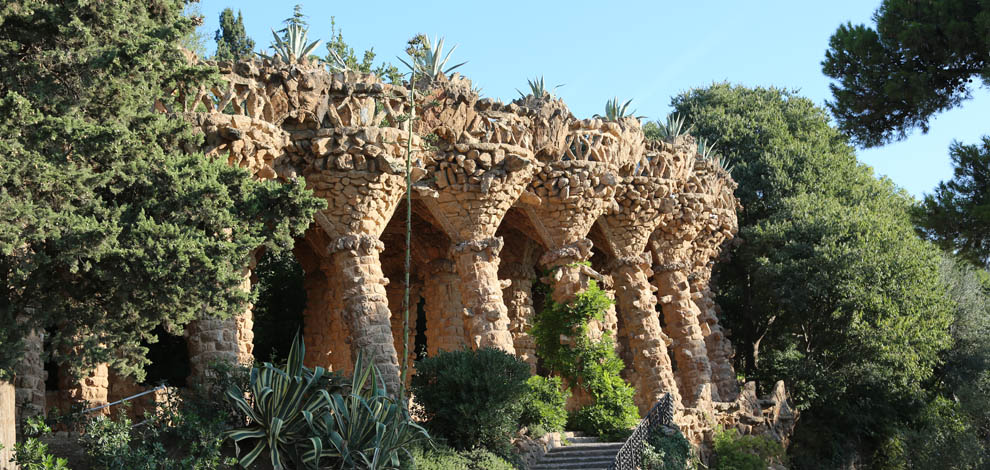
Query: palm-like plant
pixel 365 429
pixel 432 63
pixel 538 89
pixel 293 48
pixel 280 401
pixel 673 128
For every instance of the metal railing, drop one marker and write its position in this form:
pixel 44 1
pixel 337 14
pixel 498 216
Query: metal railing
pixel 662 414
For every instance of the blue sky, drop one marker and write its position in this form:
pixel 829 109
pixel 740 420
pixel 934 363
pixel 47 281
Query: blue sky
pixel 647 51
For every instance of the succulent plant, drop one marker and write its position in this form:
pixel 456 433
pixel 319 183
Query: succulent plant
pixel 293 48
pixel 615 112
pixel 705 149
pixel 538 89
pixel 673 128
pixel 432 63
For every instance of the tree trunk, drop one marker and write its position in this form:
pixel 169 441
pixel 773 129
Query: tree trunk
pixel 366 304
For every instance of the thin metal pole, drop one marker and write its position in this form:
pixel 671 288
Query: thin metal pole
pixel 405 297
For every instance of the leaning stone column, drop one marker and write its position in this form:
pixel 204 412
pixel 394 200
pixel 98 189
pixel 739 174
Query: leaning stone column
pixel 642 203
pixel 8 424
pixel 519 301
pixel 476 184
pixel 444 317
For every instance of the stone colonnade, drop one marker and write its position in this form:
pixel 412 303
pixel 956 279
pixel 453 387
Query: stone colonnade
pixel 501 192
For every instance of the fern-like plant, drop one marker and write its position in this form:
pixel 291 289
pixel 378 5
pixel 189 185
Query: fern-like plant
pixel 293 49
pixel 432 63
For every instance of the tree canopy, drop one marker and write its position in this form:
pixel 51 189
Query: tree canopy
pixel 920 59
pixel 111 223
pixel 233 42
pixel 957 215
pixel 829 287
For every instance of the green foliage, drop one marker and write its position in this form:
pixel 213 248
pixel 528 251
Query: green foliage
pixel 441 457
pixel 278 310
pixel 32 454
pixel 919 60
pixel 293 48
pixel 666 449
pixel 544 405
pixel 538 89
pixel 832 292
pixel 668 130
pixel 340 56
pixel 278 404
pixel 108 225
pixel 468 408
pixel 429 62
pixel 615 112
pixel 592 365
pixel 233 42
pixel 365 429
pixel 736 452
pixel 957 216
pixel 195 40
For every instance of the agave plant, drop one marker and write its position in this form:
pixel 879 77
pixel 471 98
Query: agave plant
pixel 706 149
pixel 538 89
pixel 432 63
pixel 293 48
pixel 673 128
pixel 279 402
pixel 365 429
pixel 615 112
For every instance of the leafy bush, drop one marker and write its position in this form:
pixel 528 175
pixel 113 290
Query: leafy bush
pixel 736 452
pixel 472 398
pixel 665 450
pixel 444 458
pixel 544 405
pixel 32 454
pixel 593 365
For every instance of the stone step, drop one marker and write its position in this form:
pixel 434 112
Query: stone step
pixel 583 453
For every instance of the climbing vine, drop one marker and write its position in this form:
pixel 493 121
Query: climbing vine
pixel 563 343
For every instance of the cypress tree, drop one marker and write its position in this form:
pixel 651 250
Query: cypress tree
pixel 233 42
pixel 111 223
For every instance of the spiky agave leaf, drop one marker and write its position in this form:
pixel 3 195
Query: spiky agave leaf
pixel 433 63
pixel 706 149
pixel 538 88
pixel 614 111
pixel 293 48
pixel 673 128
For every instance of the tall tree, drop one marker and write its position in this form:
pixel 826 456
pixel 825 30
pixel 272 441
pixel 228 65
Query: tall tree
pixel 920 59
pixel 341 56
pixel 110 223
pixel 233 42
pixel 957 216
pixel 829 289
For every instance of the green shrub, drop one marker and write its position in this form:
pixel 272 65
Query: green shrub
pixel 736 452
pixel 472 398
pixel 666 449
pixel 593 365
pixel 544 405
pixel 442 457
pixel 32 454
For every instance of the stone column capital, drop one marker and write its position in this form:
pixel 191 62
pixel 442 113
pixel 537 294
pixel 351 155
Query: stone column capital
pixel 517 271
pixel 492 245
pixel 361 243
pixel 643 260
pixel 572 253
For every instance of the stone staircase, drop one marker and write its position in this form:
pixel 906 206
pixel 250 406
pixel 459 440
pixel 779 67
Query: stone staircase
pixel 583 453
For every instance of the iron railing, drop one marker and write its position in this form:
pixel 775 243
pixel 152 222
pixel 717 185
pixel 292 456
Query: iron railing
pixel 662 414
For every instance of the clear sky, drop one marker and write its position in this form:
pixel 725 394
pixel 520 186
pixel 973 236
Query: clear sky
pixel 644 50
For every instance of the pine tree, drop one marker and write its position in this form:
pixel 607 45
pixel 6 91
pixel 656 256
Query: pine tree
pixel 110 223
pixel 232 41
